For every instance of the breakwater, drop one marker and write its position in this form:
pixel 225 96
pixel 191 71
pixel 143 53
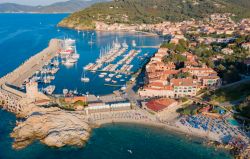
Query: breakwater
pixel 33 64
pixel 13 99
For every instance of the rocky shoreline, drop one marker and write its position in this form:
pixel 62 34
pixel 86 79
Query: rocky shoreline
pixel 56 129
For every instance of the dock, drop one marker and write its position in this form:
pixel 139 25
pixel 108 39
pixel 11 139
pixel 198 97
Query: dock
pixel 33 64
pixel 16 101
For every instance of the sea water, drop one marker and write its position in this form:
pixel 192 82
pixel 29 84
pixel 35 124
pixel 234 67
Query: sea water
pixel 113 141
pixel 23 35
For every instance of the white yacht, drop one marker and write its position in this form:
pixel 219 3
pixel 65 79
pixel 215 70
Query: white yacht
pixel 75 56
pixel 107 79
pixel 118 76
pixel 101 75
pixel 50 89
pixel 68 63
pixel 124 88
pixel 65 91
pixel 69 41
pixel 84 78
pixel 113 81
pixel 133 43
pixel 124 44
pixel 111 75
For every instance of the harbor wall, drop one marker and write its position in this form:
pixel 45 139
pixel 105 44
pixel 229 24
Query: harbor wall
pixel 13 100
pixel 33 64
pixel 10 102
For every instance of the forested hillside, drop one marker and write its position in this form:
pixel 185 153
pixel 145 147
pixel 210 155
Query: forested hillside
pixel 155 11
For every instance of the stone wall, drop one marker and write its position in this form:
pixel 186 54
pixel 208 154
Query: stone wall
pixel 10 101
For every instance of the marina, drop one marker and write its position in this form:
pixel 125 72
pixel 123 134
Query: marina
pixel 33 65
pixel 60 71
pixel 66 54
pixel 64 69
pixel 112 68
pixel 107 63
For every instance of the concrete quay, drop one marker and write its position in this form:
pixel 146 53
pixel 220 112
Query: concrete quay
pixel 33 64
pixel 14 100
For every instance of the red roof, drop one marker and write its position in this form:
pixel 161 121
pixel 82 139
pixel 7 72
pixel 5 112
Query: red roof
pixel 182 82
pixel 158 105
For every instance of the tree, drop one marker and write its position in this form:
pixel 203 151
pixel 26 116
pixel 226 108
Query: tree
pixel 221 68
pixel 231 75
pixel 168 45
pixel 186 111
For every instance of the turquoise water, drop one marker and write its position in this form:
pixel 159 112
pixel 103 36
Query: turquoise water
pixel 233 122
pixel 23 35
pixel 113 141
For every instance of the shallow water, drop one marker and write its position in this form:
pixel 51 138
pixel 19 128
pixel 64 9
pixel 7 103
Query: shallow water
pixel 23 35
pixel 119 141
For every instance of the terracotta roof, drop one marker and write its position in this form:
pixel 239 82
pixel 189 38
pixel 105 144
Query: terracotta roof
pixel 149 87
pixel 210 77
pixel 182 82
pixel 170 72
pixel 158 105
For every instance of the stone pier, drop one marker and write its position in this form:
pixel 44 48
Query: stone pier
pixel 33 64
pixel 14 100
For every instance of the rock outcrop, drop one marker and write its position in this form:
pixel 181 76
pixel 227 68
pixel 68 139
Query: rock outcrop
pixel 55 128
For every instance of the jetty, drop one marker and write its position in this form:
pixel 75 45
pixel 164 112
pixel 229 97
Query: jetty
pixel 11 97
pixel 33 64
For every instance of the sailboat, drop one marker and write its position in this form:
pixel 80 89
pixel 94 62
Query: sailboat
pixel 91 40
pixel 84 78
pixel 133 43
pixel 75 55
pixel 50 89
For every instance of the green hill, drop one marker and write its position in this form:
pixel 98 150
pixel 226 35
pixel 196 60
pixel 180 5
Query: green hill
pixel 153 11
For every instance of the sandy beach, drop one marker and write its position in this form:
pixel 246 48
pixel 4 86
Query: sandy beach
pixel 178 128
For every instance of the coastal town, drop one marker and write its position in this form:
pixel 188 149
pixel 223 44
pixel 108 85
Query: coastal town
pixel 174 93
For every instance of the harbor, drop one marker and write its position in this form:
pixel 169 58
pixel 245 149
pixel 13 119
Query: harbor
pixel 101 67
pixel 56 91
pixel 32 65
pixel 112 67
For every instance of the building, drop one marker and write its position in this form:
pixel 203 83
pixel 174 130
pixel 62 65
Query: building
pixel 246 46
pixel 184 87
pixel 103 107
pixel 163 79
pixel 33 93
pixel 160 105
pixel 227 51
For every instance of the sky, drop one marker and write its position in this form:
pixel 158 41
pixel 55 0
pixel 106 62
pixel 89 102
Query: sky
pixel 32 2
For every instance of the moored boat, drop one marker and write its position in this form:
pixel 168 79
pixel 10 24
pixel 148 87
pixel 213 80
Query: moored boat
pixel 107 79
